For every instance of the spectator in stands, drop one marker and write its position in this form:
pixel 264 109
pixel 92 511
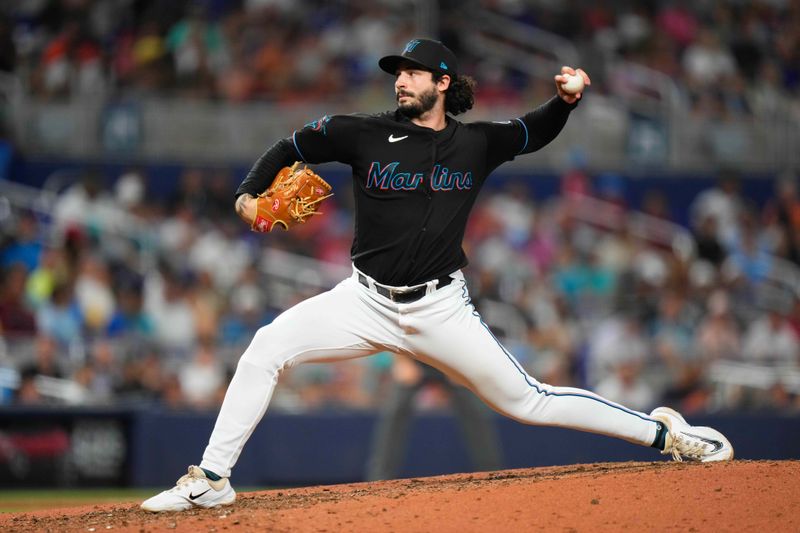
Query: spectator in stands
pixel 717 336
pixel 130 190
pixel 767 95
pixel 749 257
pixel 626 385
pixel 166 300
pixel 152 69
pixel 41 282
pixel 707 62
pixel 617 248
pixel 53 76
pixel 142 376
pixel 723 203
pixel 673 339
pixel 203 378
pixel 16 317
pixel 220 240
pixel 100 374
pixel 25 247
pixel 348 388
pixel 177 232
pixel 61 318
pixel 585 284
pixel 94 294
pixel 785 47
pixel 206 302
pixel 641 284
pixel 191 192
pixel 171 393
pixel 678 21
pixel 555 336
pixel 782 217
pixel 542 247
pixel 706 237
pixel 655 203
pixel 27 393
pixel 617 339
pixel 198 51
pixel 86 207
pixel 131 320
pixel 49 359
pixel 771 340
pixel 246 309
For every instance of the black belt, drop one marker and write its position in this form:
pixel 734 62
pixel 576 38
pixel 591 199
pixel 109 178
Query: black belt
pixel 404 297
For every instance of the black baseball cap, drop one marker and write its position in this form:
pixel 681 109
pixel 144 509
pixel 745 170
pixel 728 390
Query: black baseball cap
pixel 429 54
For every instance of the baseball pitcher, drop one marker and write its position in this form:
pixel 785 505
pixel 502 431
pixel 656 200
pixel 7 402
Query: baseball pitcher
pixel 416 174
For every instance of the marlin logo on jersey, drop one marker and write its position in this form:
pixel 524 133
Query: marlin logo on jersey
pixel 441 178
pixel 319 124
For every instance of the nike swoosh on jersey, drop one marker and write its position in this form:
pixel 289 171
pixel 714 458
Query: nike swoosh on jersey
pixel 194 497
pixel 393 139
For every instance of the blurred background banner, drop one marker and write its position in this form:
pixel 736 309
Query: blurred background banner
pixel 648 141
pixel 121 129
pixel 650 253
pixel 55 447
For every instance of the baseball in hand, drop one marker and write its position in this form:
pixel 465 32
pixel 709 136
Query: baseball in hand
pixel 574 83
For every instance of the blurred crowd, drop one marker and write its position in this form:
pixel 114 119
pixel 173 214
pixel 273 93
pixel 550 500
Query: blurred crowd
pixel 106 297
pixel 114 295
pixel 726 57
pixel 229 50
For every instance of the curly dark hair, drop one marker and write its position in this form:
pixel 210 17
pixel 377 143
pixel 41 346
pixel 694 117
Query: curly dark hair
pixel 460 96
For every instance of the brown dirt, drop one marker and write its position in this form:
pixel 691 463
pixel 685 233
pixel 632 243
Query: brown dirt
pixel 736 496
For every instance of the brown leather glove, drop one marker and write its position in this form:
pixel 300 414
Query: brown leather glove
pixel 293 197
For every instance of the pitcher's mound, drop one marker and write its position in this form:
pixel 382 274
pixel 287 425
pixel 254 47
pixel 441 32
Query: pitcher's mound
pixel 735 496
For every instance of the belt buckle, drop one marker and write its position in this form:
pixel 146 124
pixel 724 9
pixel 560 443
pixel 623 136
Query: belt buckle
pixel 408 296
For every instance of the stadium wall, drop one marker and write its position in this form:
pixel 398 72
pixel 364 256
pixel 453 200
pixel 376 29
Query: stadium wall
pixel 133 447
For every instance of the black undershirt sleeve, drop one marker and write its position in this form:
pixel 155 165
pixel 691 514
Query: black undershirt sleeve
pixel 507 139
pixel 545 123
pixel 279 155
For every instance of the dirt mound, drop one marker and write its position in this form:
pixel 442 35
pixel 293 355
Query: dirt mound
pixel 736 496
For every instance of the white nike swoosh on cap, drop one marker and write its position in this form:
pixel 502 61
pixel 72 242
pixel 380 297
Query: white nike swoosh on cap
pixel 393 139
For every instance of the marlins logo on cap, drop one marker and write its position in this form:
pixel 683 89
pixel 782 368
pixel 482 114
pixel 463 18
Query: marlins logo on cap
pixel 410 46
pixel 427 53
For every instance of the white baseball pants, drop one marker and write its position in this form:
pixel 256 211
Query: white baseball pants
pixel 442 329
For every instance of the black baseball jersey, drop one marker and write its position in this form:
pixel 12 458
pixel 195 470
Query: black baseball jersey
pixel 414 187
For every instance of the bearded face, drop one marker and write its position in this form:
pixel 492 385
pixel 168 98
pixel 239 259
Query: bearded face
pixel 415 104
pixel 415 90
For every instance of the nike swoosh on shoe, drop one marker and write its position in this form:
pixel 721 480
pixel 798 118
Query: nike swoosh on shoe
pixel 715 443
pixel 194 497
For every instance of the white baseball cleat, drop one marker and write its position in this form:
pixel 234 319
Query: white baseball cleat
pixel 692 443
pixel 192 490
